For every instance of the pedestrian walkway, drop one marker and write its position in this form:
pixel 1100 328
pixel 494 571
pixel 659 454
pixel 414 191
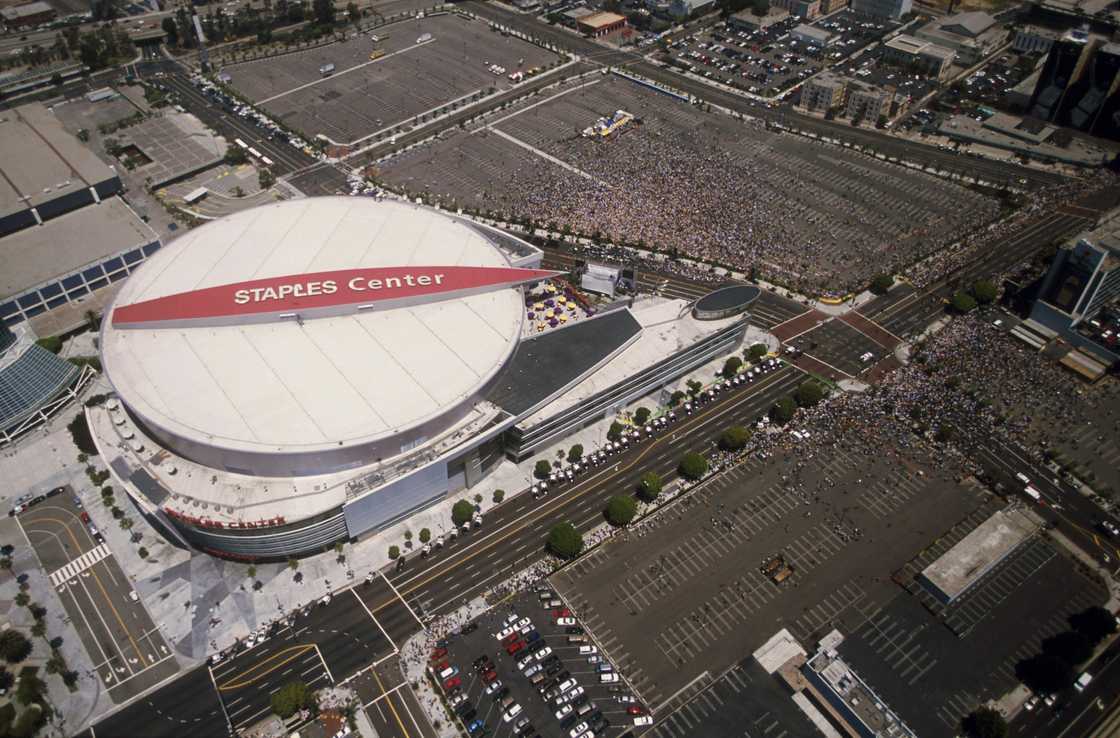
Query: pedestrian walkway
pixel 80 564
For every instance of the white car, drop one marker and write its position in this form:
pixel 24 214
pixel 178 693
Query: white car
pixel 565 621
pixel 579 730
pixel 563 712
pixel 607 677
pixel 524 622
pixel 567 684
pixel 626 699
pixel 586 650
pixel 504 632
pixel 458 699
pixel 513 711
pixel 643 720
pixel 494 686
pixel 525 661
pixel 530 671
pixel 543 653
pixel 510 619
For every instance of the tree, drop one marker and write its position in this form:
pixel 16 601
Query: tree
pixel 649 487
pixel 499 495
pixel 1070 646
pixel 353 13
pixel 962 302
pixel 1095 623
pixel 293 563
pixel 394 552
pixel 641 415
pixel 14 646
pixel 236 155
pixel 694 387
pixel 291 698
pixel 676 398
pixel 461 512
pixel 30 687
pixel 693 466
pixel 171 30
pixel 39 629
pixel 881 284
pixel 79 433
pixel 731 367
pixel 22 599
pixel 542 469
pixel 323 11
pixel 984 722
pixel 575 453
pixel 425 535
pixel 1044 673
pixel 265 178
pixel 809 393
pixel 28 722
pixel 620 510
pixel 614 432
pixel 757 351
pixel 565 541
pixel 50 343
pixel 783 410
pixel 6 563
pixel 734 438
pixel 984 291
pixel 251 572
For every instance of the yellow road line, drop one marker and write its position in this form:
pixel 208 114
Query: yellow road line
pixel 389 701
pixel 104 593
pixel 242 680
pixel 545 510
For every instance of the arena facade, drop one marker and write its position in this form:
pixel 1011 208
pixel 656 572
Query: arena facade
pixel 316 370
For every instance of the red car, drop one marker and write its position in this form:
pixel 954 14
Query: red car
pixel 489 676
pixel 85 517
pixel 561 612
pixel 636 710
pixel 439 653
pixel 510 638
pixel 451 683
pixel 514 647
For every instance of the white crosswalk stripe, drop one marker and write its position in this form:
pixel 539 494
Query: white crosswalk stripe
pixel 80 564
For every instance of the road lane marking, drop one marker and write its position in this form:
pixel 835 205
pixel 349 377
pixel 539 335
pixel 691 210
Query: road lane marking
pixel 241 680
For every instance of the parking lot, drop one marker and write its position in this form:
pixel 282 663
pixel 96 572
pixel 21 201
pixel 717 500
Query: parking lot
pixel 416 67
pixel 840 346
pixel 769 61
pixel 527 667
pixel 692 591
pixel 126 647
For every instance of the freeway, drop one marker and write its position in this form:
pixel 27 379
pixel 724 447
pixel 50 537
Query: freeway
pixel 995 171
pixel 513 534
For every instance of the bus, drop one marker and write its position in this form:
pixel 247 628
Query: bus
pixel 254 152
pixel 195 195
pixel 241 143
pixel 267 162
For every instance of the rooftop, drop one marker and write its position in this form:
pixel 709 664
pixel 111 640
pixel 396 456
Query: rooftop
pixel 39 161
pixel 65 244
pixel 910 45
pixel 970 24
pixel 974 555
pixel 23 11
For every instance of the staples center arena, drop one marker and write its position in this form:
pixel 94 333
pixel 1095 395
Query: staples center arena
pixel 315 370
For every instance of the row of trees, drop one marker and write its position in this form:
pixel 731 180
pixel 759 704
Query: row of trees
pixel 982 292
pixel 1054 669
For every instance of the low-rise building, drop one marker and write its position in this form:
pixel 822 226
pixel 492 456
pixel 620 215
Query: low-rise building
pixel 823 92
pixel 746 20
pixel 867 102
pixel 972 35
pixel 812 35
pixel 893 9
pixel 1034 40
pixel 831 6
pixel 923 56
pixel 600 24
pixel 27 15
pixel 803 9
pixel 688 8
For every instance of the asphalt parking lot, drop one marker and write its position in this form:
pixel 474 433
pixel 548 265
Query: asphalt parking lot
pixel 127 649
pixel 685 595
pixel 413 77
pixel 840 346
pixel 479 692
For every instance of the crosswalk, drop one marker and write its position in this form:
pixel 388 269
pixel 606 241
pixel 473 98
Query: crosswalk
pixel 80 564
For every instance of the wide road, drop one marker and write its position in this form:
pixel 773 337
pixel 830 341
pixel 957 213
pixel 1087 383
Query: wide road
pixel 1094 713
pixel 994 171
pixel 512 536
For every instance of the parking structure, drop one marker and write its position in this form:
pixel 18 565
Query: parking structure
pixel 693 590
pixel 528 668
pixel 128 651
pixel 414 68
pixel 770 61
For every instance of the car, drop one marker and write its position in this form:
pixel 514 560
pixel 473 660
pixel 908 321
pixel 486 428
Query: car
pixel 463 709
pixel 524 661
pixel 567 684
pixel 536 646
pixel 133 596
pixel 626 699
pixel 608 677
pixel 563 711
pixel 593 658
pixel 458 700
pixel 635 710
pixel 585 650
pixel 489 676
pixel 643 720
pixel 514 647
pixel 439 653
pixel 513 711
pixel 534 669
pixel 451 683
pixel 531 636
pixel 504 633
pixel 85 516
pixel 510 638
pixel 469 627
pixel 561 612
pixel 493 686
pixel 481 663
pixel 510 619
pixel 475 726
pixel 604 667
pixel 77 502
pixel 543 653
pixel 1031 703
pixel 578 730
pixel 437 668
pixel 573 630
pixel 524 622
pixel 554 668
pixel 565 621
